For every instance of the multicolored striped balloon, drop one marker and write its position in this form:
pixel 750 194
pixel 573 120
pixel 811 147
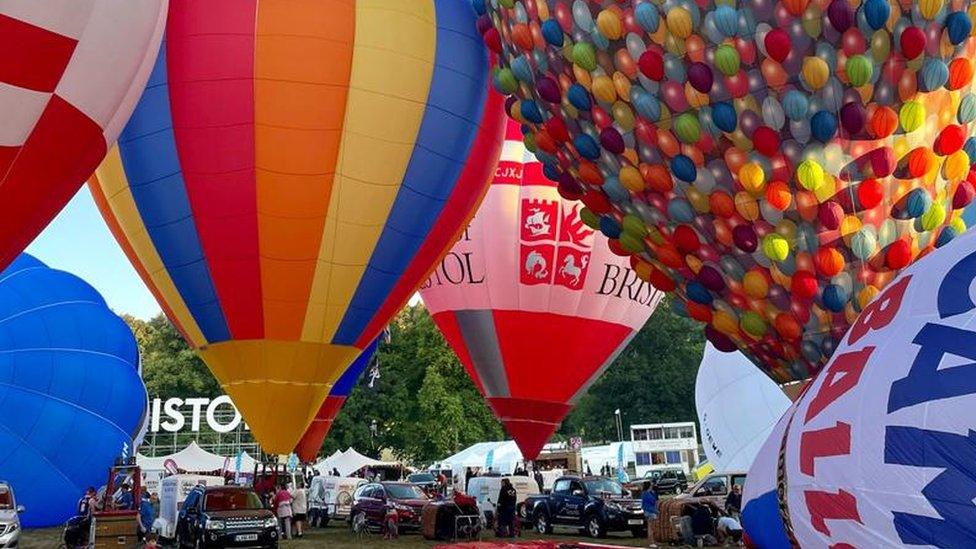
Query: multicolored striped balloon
pixel 532 301
pixel 291 174
pixel 70 75
pixel 774 163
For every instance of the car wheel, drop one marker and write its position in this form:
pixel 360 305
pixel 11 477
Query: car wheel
pixel 542 523
pixel 358 523
pixel 677 490
pixel 594 527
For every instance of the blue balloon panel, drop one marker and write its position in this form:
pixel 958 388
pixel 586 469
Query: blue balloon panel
pixel 71 398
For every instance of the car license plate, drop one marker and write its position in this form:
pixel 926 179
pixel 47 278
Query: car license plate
pixel 246 537
pixel 635 521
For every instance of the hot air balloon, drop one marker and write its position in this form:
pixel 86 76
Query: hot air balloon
pixel 311 442
pixel 532 301
pixel 291 175
pixel 70 390
pixel 737 408
pixel 877 452
pixel 773 163
pixel 70 76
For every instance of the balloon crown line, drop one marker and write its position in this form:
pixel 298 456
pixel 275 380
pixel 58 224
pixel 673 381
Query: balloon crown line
pixel 774 164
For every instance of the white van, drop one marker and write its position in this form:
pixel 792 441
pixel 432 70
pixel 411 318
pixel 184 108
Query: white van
pixel 332 496
pixel 172 491
pixel 486 490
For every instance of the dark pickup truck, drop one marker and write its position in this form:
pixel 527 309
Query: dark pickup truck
pixel 595 504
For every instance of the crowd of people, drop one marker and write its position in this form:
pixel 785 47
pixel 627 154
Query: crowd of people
pixel 704 522
pixel 290 504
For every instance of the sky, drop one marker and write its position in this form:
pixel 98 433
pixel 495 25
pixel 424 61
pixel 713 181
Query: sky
pixel 78 241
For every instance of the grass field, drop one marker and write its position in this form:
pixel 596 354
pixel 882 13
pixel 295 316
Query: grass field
pixel 340 538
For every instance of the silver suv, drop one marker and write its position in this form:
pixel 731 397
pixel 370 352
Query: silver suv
pixel 9 517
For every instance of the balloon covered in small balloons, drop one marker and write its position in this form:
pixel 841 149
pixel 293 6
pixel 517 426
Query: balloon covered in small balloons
pixel 773 163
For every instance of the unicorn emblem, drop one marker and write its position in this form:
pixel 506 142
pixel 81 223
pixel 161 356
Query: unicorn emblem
pixel 573 271
pixel 535 265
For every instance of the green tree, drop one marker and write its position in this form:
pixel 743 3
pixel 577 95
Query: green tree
pixel 652 381
pixel 170 368
pixel 424 404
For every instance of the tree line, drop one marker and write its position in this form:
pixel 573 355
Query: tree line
pixel 424 405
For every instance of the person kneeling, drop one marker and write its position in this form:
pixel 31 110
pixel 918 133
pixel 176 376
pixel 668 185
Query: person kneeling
pixel 729 530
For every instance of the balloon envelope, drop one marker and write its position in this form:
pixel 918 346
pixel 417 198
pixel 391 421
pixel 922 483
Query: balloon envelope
pixel 70 390
pixel 311 442
pixel 532 301
pixel 737 407
pixel 289 177
pixel 71 75
pixel 775 163
pixel 875 453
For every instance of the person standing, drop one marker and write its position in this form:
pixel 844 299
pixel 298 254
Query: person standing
pixel 282 504
pixel 507 498
pixel 649 506
pixel 299 508
pixel 539 480
pixel 87 502
pixel 146 517
pixel 733 503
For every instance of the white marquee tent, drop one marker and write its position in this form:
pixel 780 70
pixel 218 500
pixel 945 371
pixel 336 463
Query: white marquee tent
pixel 349 462
pixel 502 457
pixel 195 459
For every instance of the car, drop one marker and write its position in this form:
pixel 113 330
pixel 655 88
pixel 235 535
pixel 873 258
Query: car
pixel 9 517
pixel 426 481
pixel 370 503
pixel 669 481
pixel 595 504
pixel 225 516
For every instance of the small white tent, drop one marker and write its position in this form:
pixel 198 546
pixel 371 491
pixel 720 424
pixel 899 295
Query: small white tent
pixel 737 408
pixel 502 457
pixel 596 457
pixel 195 459
pixel 349 462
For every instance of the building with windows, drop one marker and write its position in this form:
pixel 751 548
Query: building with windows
pixel 664 446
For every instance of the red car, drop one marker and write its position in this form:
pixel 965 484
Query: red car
pixel 371 501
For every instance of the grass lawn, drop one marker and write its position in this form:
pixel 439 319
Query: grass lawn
pixel 336 537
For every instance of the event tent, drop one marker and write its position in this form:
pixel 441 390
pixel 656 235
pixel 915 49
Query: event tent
pixel 502 457
pixel 349 462
pixel 608 454
pixel 195 459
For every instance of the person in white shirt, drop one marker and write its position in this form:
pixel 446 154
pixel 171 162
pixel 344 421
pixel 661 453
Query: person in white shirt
pixel 729 530
pixel 299 509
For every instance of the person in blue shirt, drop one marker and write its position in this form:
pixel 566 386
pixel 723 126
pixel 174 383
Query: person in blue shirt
pixel 146 514
pixel 123 501
pixel 649 506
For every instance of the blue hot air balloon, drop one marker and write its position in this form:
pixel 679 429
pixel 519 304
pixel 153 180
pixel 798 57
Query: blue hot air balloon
pixel 71 399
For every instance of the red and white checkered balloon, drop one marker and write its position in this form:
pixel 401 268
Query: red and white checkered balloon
pixel 71 71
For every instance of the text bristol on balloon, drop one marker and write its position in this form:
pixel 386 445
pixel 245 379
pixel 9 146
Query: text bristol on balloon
pixel 773 163
pixel 880 450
